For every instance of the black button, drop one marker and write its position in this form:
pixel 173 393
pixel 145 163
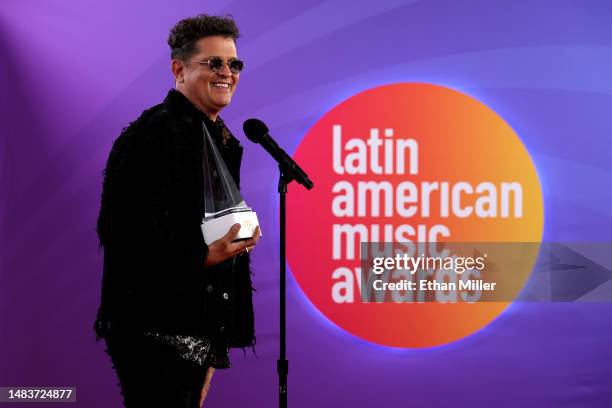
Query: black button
pixel 209 288
pixel 222 329
pixel 225 295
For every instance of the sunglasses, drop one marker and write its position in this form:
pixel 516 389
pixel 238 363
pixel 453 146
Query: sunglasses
pixel 215 64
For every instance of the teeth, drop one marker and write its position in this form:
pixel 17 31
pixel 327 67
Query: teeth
pixel 220 85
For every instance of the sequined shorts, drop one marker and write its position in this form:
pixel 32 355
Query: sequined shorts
pixel 151 374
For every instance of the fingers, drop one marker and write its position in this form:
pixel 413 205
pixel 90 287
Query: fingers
pixel 235 248
pixel 253 240
pixel 232 233
pixel 238 247
pixel 256 234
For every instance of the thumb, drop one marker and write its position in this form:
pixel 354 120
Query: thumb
pixel 232 233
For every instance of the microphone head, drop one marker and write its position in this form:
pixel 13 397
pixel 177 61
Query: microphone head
pixel 254 129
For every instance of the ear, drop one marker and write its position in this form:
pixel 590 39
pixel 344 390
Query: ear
pixel 177 68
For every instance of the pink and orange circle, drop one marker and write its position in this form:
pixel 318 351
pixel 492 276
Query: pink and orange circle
pixel 459 140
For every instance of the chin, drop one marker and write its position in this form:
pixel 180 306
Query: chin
pixel 224 103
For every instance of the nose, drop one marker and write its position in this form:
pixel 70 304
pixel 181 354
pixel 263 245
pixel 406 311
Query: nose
pixel 225 70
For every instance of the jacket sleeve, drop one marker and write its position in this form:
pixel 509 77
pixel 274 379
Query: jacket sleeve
pixel 175 207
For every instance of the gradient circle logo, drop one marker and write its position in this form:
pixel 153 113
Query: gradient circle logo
pixel 471 180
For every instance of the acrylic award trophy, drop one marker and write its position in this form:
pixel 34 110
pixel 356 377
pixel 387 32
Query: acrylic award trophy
pixel 223 203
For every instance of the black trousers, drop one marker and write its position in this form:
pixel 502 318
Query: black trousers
pixel 151 374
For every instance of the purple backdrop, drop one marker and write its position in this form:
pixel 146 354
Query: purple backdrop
pixel 73 73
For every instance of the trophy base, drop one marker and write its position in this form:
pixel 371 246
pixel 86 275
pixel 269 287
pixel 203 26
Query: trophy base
pixel 217 227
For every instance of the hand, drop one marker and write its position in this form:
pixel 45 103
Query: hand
pixel 250 243
pixel 224 248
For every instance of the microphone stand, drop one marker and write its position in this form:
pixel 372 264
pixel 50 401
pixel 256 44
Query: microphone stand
pixel 289 171
pixel 282 364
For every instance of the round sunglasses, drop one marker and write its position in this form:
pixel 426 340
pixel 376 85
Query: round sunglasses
pixel 215 64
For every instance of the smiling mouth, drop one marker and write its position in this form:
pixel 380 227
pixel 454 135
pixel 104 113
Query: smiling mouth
pixel 221 85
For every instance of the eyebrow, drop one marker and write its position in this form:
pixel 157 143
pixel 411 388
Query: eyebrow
pixel 218 56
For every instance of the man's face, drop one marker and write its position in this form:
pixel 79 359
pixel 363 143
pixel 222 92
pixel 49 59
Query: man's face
pixel 210 91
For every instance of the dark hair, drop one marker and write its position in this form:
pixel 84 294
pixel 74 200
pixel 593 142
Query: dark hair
pixel 184 35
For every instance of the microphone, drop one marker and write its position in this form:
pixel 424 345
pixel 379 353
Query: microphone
pixel 257 132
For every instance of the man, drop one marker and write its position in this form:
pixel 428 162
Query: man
pixel 171 306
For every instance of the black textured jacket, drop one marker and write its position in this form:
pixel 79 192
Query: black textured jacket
pixel 149 226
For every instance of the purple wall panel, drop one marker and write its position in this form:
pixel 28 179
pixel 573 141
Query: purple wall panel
pixel 74 73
